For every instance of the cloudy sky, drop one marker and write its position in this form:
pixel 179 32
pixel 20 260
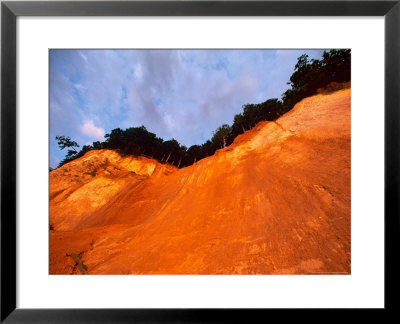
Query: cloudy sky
pixel 181 94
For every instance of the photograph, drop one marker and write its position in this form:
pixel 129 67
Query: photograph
pixel 199 161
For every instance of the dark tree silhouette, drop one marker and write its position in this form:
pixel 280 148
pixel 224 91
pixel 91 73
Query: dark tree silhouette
pixel 221 136
pixel 64 141
pixel 307 78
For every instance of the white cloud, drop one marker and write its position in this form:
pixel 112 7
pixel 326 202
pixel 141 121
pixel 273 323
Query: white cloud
pixel 138 71
pixel 84 57
pixel 91 131
pixel 181 94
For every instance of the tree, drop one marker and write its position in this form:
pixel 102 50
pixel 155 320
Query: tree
pixel 271 109
pixel 171 151
pixel 238 127
pixel 251 114
pixel 337 64
pixel 193 154
pixel 311 75
pixel 208 148
pixel 307 78
pixel 97 145
pixel 114 139
pixel 221 135
pixel 65 141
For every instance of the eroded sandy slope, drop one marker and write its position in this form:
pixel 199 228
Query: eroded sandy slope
pixel 276 201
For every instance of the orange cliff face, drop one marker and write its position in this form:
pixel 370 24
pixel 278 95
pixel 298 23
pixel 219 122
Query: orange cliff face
pixel 276 201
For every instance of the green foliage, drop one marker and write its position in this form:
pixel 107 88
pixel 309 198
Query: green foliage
pixel 133 141
pixel 192 154
pixel 307 78
pixel 221 135
pixel 64 141
pixel 97 145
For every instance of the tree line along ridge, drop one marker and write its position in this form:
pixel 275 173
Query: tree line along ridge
pixel 307 78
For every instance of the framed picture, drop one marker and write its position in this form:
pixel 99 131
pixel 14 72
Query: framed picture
pixel 46 47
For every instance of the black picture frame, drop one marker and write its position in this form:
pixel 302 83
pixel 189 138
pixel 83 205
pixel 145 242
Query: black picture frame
pixel 10 10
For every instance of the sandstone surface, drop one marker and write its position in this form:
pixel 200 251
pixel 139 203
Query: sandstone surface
pixel 276 201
